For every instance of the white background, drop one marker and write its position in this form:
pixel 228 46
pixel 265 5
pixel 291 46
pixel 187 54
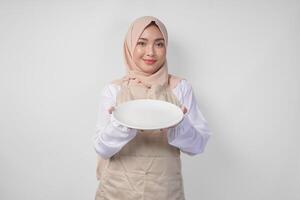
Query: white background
pixel 242 58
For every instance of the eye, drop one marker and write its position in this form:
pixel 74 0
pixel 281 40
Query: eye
pixel 141 43
pixel 161 44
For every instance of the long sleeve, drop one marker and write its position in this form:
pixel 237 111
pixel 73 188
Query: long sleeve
pixel 192 133
pixel 110 136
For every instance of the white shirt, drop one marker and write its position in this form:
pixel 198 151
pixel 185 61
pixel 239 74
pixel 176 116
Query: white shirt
pixel 190 135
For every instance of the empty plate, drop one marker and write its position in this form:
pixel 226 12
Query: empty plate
pixel 147 114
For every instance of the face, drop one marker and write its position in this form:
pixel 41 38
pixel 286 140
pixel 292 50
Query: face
pixel 150 51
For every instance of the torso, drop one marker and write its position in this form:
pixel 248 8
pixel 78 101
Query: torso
pixel 147 167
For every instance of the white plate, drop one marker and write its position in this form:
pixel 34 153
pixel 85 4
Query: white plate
pixel 147 114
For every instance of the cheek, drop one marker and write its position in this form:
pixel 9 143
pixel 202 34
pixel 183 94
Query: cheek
pixel 161 50
pixel 138 53
pixel 161 53
pixel 137 57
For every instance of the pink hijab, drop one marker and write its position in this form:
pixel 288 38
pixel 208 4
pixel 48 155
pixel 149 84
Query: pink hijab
pixel 161 77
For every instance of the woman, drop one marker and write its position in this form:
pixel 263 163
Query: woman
pixel 142 164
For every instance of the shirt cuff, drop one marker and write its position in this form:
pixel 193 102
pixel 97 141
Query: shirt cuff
pixel 187 138
pixel 176 131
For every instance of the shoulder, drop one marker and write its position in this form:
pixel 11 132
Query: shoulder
pixel 174 81
pixel 110 89
pixel 183 86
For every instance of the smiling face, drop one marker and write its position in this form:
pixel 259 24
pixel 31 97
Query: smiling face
pixel 150 51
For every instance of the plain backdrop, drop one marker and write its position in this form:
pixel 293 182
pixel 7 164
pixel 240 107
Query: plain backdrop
pixel 241 57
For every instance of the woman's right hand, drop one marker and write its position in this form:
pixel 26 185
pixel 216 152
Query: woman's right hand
pixel 111 109
pixel 116 123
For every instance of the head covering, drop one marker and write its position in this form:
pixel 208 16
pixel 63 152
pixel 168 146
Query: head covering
pixel 160 77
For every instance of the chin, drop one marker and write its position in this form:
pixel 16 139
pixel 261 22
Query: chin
pixel 150 71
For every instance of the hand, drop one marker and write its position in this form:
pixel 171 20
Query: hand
pixel 111 109
pixel 115 123
pixel 184 110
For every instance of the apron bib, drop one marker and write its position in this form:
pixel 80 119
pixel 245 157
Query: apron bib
pixel 147 167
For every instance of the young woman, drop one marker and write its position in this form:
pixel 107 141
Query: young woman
pixel 145 164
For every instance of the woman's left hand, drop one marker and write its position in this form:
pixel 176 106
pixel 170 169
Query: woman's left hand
pixel 184 110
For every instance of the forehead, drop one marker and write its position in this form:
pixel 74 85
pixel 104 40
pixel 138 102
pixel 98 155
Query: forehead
pixel 151 32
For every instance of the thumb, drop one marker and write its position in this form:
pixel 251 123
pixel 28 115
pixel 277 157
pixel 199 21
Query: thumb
pixel 184 109
pixel 111 109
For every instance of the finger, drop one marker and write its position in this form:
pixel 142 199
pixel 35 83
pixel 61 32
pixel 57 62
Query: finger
pixel 163 129
pixel 184 109
pixel 111 109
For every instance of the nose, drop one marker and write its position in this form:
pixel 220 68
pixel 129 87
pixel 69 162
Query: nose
pixel 150 50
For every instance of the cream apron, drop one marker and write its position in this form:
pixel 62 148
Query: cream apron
pixel 147 167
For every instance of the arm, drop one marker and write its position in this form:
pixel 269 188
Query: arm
pixel 192 133
pixel 110 136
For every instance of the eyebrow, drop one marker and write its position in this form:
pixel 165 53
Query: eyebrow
pixel 155 39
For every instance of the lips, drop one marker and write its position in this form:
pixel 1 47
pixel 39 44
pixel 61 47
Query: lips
pixel 149 61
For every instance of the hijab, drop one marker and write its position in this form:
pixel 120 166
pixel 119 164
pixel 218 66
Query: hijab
pixel 161 76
